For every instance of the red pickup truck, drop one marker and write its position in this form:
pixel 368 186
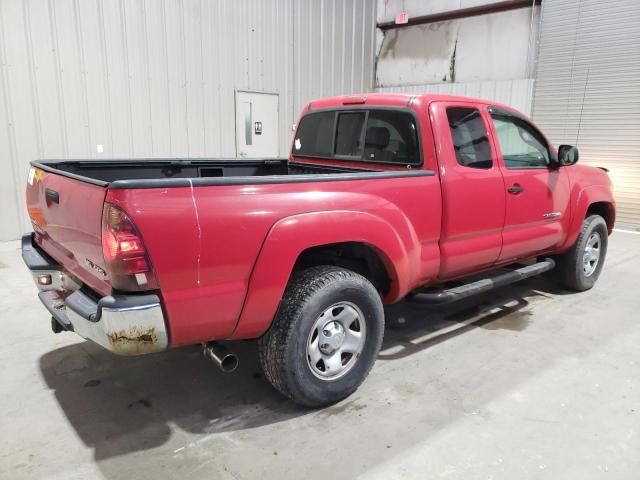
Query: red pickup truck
pixel 384 196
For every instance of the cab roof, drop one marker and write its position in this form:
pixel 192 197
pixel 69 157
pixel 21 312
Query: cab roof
pixel 396 100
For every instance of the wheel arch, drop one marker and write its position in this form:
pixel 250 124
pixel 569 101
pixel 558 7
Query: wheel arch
pixel 606 210
pixel 316 237
pixel 595 199
pixel 359 257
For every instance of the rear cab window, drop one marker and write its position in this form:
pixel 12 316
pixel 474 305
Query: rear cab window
pixel 366 135
pixel 348 141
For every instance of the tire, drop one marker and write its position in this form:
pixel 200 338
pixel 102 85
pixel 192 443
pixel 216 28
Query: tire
pixel 572 269
pixel 319 301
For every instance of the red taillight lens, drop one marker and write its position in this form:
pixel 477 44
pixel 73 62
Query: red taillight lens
pixel 109 245
pixel 124 254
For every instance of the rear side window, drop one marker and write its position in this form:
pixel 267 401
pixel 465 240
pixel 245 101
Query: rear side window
pixel 469 137
pixel 391 137
pixel 370 135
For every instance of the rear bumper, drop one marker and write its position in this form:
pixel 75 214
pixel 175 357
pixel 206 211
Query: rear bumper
pixel 123 324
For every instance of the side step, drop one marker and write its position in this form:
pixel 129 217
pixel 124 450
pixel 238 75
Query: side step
pixel 481 286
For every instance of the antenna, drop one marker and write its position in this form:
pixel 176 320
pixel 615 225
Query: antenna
pixel 573 61
pixel 584 93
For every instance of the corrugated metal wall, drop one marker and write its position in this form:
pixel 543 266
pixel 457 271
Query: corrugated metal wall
pixel 157 78
pixel 587 91
pixel 517 93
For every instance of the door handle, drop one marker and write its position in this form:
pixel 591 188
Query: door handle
pixel 515 189
pixel 52 196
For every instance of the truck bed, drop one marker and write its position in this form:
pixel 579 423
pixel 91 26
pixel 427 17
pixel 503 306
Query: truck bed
pixel 141 173
pixel 66 199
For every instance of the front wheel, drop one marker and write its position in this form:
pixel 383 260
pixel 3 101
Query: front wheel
pixel 580 267
pixel 325 337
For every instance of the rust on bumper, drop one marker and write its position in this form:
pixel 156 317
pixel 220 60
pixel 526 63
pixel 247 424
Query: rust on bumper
pixel 126 331
pixel 122 337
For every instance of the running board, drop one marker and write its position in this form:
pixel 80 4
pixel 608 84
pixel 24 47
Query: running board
pixel 481 286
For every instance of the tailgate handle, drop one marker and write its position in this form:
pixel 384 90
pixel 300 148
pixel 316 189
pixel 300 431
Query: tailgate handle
pixel 52 195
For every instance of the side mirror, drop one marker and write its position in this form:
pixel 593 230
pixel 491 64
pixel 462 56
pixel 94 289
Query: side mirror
pixel 567 155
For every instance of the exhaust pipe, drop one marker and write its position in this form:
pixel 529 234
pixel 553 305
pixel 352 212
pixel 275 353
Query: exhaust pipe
pixel 221 356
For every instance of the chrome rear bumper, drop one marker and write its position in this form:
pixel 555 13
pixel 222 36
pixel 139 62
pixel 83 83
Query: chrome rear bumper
pixel 123 324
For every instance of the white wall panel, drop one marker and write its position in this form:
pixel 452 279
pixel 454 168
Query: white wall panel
pixel 158 73
pixel 18 90
pixel 9 210
pixel 157 77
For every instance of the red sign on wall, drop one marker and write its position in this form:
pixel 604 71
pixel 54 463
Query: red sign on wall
pixel 402 18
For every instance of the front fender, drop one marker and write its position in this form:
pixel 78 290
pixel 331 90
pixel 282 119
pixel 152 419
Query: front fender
pixel 289 237
pixel 586 197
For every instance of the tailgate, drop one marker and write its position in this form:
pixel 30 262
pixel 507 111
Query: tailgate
pixel 66 214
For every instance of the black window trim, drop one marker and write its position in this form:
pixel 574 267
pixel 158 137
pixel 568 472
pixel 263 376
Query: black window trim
pixel 501 112
pixel 367 109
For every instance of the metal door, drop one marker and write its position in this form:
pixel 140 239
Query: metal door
pixel 473 196
pixel 537 214
pixel 256 124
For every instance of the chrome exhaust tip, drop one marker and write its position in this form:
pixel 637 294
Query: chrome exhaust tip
pixel 221 356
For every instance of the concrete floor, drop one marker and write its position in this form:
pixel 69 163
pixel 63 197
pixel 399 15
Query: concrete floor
pixel 528 382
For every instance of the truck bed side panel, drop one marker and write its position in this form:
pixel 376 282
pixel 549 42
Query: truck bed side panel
pixel 204 241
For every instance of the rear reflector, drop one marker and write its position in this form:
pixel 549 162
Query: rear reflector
pixel 125 258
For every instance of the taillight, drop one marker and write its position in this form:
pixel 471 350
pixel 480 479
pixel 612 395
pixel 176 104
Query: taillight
pixel 125 258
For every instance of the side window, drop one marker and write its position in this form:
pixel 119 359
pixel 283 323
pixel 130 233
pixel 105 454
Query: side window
pixel 349 134
pixel 314 136
pixel 469 136
pixel 391 137
pixel 521 145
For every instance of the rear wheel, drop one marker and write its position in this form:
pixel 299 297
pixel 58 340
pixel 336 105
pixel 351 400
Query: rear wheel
pixel 580 267
pixel 325 336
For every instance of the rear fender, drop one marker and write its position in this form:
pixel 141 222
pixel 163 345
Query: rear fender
pixel 291 236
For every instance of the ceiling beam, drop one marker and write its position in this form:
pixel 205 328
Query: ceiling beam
pixel 462 13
